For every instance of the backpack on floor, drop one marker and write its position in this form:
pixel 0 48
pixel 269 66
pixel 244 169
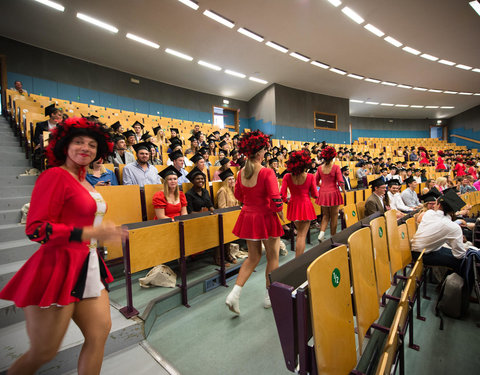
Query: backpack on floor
pixel 453 299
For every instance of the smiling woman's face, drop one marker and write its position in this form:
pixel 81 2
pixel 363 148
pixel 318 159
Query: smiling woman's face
pixel 82 150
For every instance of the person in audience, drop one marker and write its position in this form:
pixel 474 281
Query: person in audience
pixel 436 230
pixel 273 164
pixel 198 198
pixel 175 143
pixel 54 117
pixel 409 195
pixel 329 196
pixel 205 153
pixel 174 133
pixel 465 186
pixel 65 279
pixel 441 183
pixel 98 175
pixel 170 202
pixel 430 183
pixel 257 189
pixel 402 175
pixel 393 173
pixel 195 131
pixel 234 158
pixel 194 144
pixel 413 154
pixel 459 169
pixel 423 156
pixel 395 200
pixel 138 129
pixel 141 172
pixel 199 162
pixel 376 201
pixel 154 156
pixel 346 178
pixel 417 175
pixel 212 146
pixel 130 141
pixel 221 154
pixel 177 160
pixel 223 145
pixel 472 171
pixel 160 139
pixel 146 137
pixel 226 194
pixel 117 128
pixel 428 200
pixel 302 188
pixel 235 139
pixel 224 165
pixel 361 174
pixel 440 163
pixel 120 155
pixel 18 87
pixel 202 140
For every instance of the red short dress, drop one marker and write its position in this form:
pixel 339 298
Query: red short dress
pixel 423 159
pixel 440 164
pixel 460 169
pixel 171 210
pixel 300 206
pixel 258 219
pixel 472 172
pixel 56 274
pixel 329 194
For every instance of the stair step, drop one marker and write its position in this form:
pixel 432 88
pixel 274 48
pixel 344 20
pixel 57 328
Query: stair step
pixel 15 250
pixel 8 138
pixel 17 180
pixel 13 170
pixel 15 162
pixel 13 203
pixel 8 270
pixel 16 190
pixel 9 313
pixel 12 232
pixel 10 149
pixel 124 334
pixel 10 216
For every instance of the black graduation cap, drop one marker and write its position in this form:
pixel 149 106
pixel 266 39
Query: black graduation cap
pixel 306 144
pixel 175 155
pixel 345 168
pixel 360 164
pixel 193 173
pixel 174 129
pixel 146 136
pixel 224 161
pixel 226 174
pixel 236 136
pixel 222 143
pixel 116 126
pixel 175 141
pixel 156 129
pixel 211 138
pixel 383 170
pixel 393 181
pixel 216 132
pixel 117 138
pixel 203 150
pixel 377 182
pixel 452 200
pixel 169 171
pixel 129 133
pixel 411 165
pixel 272 160
pixel 222 137
pixel 193 138
pixel 143 146
pixel 431 195
pixel 50 109
pixel 196 158
pixel 233 152
pixel 275 148
pixel 138 123
pixel 416 170
pixel 409 180
pixel 408 169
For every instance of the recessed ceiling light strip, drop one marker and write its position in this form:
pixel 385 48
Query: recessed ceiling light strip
pixel 190 3
pixel 97 23
pixel 143 41
pixel 358 101
pixel 52 4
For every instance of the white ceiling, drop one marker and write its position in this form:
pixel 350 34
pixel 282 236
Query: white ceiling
pixel 448 29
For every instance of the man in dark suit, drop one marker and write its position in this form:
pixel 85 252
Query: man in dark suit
pixel 55 116
pixel 346 179
pixel 376 201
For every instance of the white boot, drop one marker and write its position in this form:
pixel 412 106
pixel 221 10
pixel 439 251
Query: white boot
pixel 266 303
pixel 233 299
pixel 321 236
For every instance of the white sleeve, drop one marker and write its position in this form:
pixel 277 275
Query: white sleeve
pixel 455 240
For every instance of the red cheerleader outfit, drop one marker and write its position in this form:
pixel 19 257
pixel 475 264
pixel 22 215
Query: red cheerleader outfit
pixel 300 206
pixel 329 194
pixel 472 172
pixel 440 164
pixel 459 169
pixel 62 270
pixel 423 159
pixel 258 219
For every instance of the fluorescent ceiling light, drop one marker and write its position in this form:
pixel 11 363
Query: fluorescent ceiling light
pixel 356 76
pixel 393 42
pixel 372 103
pixel 234 73
pixel 335 3
pixel 429 57
pixel 477 94
pixel 476 70
pixel 447 107
pixel 278 47
pixel 404 86
pixel 475 5
pixel 96 22
pixel 374 30
pixel 258 80
pixel 250 34
pixel 356 101
pixel 446 62
pixel 416 106
pixel 401 105
pixel 178 54
pixel 387 104
pixel 189 3
pixel 411 50
pixel 420 88
pixel 208 65
pixel 320 65
pixel 299 56
pixel 143 41
pixel 338 71
pixel 465 93
pixel 216 17
pixel 372 80
pixel 52 4
pixel 386 83
pixel 432 106
pixel 350 13
pixel 464 67
pixel 450 92
pixel 434 90
pixel 225 101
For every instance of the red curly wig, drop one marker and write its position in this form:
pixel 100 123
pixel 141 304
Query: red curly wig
pixel 299 161
pixel 252 142
pixel 328 153
pixel 440 153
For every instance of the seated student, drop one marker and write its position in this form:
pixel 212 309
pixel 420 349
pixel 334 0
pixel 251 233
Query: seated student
pixel 55 116
pixel 224 165
pixel 194 147
pixel 198 199
pixel 199 162
pixel 205 153
pixel 234 158
pixel 154 157
pixel 130 140
pixel 19 88
pixel 138 130
pixel 117 128
pixel 120 154
pixel 428 199
pixel 212 145
pixel 273 164
pixel 171 201
pixel 376 201
pixel 176 159
pixel 98 175
pixel 393 173
pixel 409 195
pixel 465 185
pixel 141 172
pixel 436 230
pixel 221 154
pixel 417 175
pixel 394 197
pixel 346 178
pixel 225 195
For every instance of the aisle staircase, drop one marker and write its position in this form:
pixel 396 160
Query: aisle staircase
pixel 126 350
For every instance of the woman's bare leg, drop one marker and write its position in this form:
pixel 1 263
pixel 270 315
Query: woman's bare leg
pixel 249 264
pixel 272 249
pixel 325 218
pixel 333 219
pixel 302 230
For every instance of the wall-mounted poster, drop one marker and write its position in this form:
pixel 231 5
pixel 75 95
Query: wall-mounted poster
pixel 323 120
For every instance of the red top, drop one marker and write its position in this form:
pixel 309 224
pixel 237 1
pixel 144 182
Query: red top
pixel 300 206
pixel 423 159
pixel 460 169
pixel 472 172
pixel 258 218
pixel 59 203
pixel 329 193
pixel 440 164
pixel 171 210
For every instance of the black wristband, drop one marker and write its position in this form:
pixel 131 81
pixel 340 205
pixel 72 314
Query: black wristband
pixel 76 235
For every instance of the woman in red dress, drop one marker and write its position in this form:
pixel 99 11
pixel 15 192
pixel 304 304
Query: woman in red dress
pixel 440 163
pixel 472 171
pixel 459 167
pixel 329 196
pixel 423 156
pixel 302 186
pixel 257 189
pixel 171 201
pixel 65 279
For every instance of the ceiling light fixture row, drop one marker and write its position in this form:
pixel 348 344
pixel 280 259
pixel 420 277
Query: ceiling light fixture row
pixel 357 101
pixel 354 16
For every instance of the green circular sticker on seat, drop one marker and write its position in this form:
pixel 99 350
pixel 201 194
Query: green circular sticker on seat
pixel 335 277
pixel 380 232
pixel 354 213
pixel 403 235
